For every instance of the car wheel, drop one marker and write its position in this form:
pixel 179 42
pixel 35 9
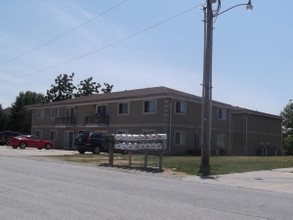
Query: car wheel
pixel 22 145
pixel 48 146
pixel 96 150
pixel 81 151
pixel 7 143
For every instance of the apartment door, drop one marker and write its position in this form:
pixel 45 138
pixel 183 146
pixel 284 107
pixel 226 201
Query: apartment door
pixel 68 139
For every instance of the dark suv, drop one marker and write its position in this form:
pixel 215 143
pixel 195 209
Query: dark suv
pixel 4 135
pixel 90 141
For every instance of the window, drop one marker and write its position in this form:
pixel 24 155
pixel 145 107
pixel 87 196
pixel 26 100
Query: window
pixel 221 140
pixel 222 114
pixel 54 112
pixel 70 112
pixel 180 138
pixel 123 108
pixel 181 107
pixel 101 110
pixel 53 135
pixel 150 106
pixel 40 113
pixel 39 133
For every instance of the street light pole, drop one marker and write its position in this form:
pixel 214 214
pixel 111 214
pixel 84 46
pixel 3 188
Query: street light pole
pixel 206 118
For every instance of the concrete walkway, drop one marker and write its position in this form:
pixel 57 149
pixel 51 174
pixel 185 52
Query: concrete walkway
pixel 9 151
pixel 278 180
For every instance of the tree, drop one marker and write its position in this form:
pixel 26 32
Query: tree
pixel 108 88
pixel 3 119
pixel 287 127
pixel 20 119
pixel 63 88
pixel 87 87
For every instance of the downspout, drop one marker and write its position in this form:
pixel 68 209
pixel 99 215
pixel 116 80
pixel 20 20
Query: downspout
pixel 170 124
pixel 230 132
pixel 246 136
pixel 281 139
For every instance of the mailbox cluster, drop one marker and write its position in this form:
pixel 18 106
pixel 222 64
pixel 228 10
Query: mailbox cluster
pixel 133 142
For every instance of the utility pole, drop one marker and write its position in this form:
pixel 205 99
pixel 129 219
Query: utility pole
pixel 206 119
pixel 206 115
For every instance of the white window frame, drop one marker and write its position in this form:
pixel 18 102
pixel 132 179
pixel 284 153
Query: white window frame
pixel 124 112
pixel 40 113
pixel 152 108
pixel 101 105
pixel 54 112
pixel 222 114
pixel 182 107
pixel 39 133
pixel 54 136
pixel 221 140
pixel 68 112
pixel 182 138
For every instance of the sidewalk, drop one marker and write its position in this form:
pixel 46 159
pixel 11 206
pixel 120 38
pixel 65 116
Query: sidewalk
pixel 278 180
pixel 8 151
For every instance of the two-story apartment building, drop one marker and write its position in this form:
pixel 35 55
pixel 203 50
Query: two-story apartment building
pixel 235 131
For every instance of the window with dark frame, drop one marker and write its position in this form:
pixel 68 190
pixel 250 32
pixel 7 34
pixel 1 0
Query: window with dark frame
pixel 150 106
pixel 181 107
pixel 101 110
pixel 123 108
pixel 222 114
pixel 180 138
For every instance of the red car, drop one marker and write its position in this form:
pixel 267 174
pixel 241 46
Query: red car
pixel 24 141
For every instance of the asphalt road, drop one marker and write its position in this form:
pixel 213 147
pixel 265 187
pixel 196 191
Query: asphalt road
pixel 33 188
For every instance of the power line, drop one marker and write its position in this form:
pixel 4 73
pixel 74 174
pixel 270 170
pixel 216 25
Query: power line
pixel 108 45
pixel 64 34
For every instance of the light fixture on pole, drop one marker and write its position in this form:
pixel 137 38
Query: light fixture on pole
pixel 206 116
pixel 249 6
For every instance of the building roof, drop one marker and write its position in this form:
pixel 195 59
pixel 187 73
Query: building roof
pixel 152 92
pixel 124 95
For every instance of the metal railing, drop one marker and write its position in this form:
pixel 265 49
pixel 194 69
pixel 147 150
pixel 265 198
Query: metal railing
pixel 96 121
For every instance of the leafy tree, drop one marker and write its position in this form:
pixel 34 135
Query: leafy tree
pixel 108 88
pixel 63 88
pixel 3 119
pixel 287 127
pixel 20 119
pixel 87 87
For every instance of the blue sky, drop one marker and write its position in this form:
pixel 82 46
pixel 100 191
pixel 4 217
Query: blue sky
pixel 137 44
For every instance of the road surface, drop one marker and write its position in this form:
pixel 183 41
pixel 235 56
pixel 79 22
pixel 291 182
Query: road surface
pixel 34 188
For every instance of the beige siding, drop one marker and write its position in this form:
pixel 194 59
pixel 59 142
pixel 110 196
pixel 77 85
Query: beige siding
pixel 238 133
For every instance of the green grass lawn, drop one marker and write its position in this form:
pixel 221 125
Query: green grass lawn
pixel 228 164
pixel 189 164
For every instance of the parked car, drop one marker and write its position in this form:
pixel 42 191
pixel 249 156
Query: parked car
pixel 4 135
pixel 24 141
pixel 90 141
